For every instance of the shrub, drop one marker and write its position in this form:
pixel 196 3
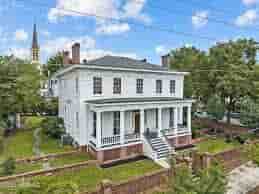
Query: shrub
pixel 53 127
pixel 8 166
pixel 1 145
pixel 32 122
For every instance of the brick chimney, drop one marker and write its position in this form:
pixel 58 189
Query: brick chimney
pixel 66 59
pixel 165 59
pixel 76 53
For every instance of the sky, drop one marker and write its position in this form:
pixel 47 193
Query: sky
pixel 132 28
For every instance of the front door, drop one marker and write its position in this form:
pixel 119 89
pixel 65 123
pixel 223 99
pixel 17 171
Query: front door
pixel 136 122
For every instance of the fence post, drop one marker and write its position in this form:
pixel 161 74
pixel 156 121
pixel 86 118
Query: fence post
pixel 106 187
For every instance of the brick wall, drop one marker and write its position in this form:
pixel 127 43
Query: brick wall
pixel 227 128
pixel 135 185
pixel 116 153
pixel 182 141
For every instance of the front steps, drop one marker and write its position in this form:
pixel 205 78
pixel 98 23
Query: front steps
pixel 161 148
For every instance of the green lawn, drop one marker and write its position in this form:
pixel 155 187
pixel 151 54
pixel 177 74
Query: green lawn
pixel 214 146
pixel 88 179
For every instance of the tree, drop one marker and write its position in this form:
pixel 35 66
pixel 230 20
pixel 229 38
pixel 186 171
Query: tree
pixel 234 71
pixel 208 181
pixel 20 83
pixel 53 127
pixel 53 65
pixel 249 112
pixel 191 59
pixel 215 108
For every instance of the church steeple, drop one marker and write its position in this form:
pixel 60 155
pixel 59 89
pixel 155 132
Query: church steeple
pixel 35 49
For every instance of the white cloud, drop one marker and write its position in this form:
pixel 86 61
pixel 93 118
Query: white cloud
pixel 20 35
pixel 65 43
pixel 200 19
pixel 250 2
pixel 112 28
pixel 45 33
pixel 161 50
pixel 248 18
pixel 134 9
pixel 102 9
pixel 19 52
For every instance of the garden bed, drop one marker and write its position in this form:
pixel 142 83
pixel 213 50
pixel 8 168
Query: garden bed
pixel 87 179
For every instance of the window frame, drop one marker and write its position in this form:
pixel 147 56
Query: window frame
pixel 159 86
pixel 117 85
pixel 97 86
pixel 116 123
pixel 139 86
pixel 172 86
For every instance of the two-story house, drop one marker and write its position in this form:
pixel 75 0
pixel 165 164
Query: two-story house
pixel 118 107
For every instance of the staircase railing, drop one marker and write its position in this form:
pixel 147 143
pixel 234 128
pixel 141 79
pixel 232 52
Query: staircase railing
pixel 167 141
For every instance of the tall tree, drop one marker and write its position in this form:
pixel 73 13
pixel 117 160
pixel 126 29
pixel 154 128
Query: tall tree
pixel 53 65
pixel 192 60
pixel 234 71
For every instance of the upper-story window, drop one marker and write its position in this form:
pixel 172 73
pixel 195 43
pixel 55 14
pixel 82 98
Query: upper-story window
pixel 97 85
pixel 159 86
pixel 172 86
pixel 117 85
pixel 139 86
pixel 77 85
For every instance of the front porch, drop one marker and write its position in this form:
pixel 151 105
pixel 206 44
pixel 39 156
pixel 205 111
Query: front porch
pixel 113 125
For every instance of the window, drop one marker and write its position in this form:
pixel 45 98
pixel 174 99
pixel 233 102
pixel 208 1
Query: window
pixel 116 123
pixel 77 85
pixel 77 120
pixel 172 86
pixel 139 86
pixel 94 124
pixel 158 86
pixel 117 85
pixel 97 85
pixel 171 117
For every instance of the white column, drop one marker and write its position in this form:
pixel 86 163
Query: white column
pixel 122 127
pixel 175 120
pixel 159 121
pixel 189 119
pixel 142 123
pixel 98 129
pixel 180 115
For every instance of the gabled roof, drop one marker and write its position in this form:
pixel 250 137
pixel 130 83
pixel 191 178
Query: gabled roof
pixel 124 62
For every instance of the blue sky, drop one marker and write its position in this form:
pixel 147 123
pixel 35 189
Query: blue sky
pixel 58 27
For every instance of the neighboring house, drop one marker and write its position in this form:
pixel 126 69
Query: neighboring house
pixel 118 107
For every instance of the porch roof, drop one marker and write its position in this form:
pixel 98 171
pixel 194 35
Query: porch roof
pixel 128 103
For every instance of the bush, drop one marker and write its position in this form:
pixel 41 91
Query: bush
pixel 8 166
pixel 32 122
pixel 1 145
pixel 53 127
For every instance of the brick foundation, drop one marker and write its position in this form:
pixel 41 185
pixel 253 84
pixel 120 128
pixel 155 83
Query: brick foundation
pixel 116 153
pixel 182 141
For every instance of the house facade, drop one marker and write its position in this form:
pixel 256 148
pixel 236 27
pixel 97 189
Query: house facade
pixel 118 107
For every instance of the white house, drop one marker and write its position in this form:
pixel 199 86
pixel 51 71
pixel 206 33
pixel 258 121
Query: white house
pixel 118 107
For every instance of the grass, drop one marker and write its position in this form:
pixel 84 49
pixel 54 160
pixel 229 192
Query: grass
pixel 88 178
pixel 214 146
pixel 18 146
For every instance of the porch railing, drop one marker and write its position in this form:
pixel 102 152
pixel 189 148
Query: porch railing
pixel 132 137
pixel 180 131
pixel 113 140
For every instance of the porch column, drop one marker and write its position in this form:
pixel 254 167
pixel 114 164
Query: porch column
pixel 180 115
pixel 159 121
pixel 122 127
pixel 189 119
pixel 98 129
pixel 175 120
pixel 142 123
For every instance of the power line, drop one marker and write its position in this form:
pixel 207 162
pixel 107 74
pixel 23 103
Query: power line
pixel 146 26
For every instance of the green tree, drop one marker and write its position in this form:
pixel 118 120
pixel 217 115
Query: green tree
pixel 215 108
pixel 233 69
pixel 191 59
pixel 249 113
pixel 53 65
pixel 208 181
